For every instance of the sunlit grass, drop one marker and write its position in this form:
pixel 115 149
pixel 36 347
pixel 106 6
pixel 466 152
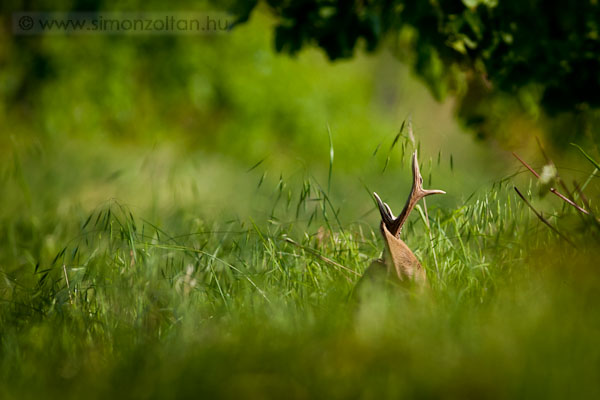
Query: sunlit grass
pixel 109 302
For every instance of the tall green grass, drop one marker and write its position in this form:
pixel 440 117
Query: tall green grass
pixel 112 304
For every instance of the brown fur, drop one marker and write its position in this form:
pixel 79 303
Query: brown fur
pixel 400 259
pixel 398 262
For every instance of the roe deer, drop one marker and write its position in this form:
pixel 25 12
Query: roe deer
pixel 398 262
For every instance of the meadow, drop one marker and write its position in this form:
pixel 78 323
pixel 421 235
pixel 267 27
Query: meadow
pixel 196 226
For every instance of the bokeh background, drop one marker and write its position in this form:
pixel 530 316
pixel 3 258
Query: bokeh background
pixel 162 176
pixel 161 121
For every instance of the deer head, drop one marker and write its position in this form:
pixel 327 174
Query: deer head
pixel 397 256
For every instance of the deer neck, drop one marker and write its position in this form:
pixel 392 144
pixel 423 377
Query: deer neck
pixel 399 259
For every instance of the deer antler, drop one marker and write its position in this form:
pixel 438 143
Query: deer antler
pixel 393 224
pixel 397 259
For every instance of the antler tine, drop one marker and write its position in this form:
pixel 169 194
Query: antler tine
pixel 389 210
pixel 416 193
pixel 386 214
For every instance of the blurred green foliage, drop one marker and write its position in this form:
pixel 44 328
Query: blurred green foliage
pixel 169 203
pixel 83 108
pixel 221 92
pixel 516 55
